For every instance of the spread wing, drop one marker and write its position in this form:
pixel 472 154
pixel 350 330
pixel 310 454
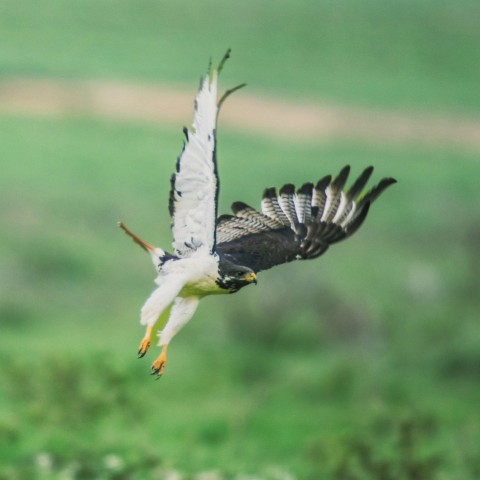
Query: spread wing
pixel 298 224
pixel 194 186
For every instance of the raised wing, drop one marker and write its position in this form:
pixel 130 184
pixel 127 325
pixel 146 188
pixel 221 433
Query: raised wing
pixel 194 190
pixel 296 225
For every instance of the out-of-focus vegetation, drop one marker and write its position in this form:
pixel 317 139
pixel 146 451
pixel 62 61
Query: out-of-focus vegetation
pixel 417 54
pixel 361 365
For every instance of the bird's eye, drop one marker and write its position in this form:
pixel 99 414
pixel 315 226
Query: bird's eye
pixel 240 274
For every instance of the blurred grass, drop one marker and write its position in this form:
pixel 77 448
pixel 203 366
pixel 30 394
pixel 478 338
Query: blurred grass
pixel 379 336
pixel 408 54
pixel 361 365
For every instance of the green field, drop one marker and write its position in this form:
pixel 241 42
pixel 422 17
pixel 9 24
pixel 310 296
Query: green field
pixel 407 53
pixel 361 365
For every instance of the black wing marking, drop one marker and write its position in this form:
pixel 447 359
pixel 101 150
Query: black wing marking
pixel 298 224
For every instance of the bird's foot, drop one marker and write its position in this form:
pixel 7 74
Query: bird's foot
pixel 145 343
pixel 158 366
pixel 143 347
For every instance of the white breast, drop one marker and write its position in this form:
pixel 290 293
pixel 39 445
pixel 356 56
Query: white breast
pixel 200 272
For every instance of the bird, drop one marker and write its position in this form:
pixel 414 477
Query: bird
pixel 215 254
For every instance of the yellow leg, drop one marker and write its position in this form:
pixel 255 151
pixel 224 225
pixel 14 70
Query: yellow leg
pixel 158 366
pixel 145 343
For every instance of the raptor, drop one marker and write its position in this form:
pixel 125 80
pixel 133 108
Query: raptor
pixel 221 254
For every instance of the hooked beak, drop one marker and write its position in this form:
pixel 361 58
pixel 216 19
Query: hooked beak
pixel 251 278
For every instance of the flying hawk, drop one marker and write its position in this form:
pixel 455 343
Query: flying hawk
pixel 213 255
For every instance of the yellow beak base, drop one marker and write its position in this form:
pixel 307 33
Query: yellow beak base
pixel 251 277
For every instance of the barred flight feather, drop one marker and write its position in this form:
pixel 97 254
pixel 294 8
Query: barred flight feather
pixel 319 199
pixel 335 193
pixel 272 208
pixel 287 203
pixel 303 203
pixel 242 210
pixel 230 227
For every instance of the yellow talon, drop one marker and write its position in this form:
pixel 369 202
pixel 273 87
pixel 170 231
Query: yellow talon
pixel 145 343
pixel 158 366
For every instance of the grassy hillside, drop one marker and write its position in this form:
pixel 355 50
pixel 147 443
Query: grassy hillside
pixel 408 54
pixel 370 351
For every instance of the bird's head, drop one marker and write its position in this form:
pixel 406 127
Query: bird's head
pixel 234 277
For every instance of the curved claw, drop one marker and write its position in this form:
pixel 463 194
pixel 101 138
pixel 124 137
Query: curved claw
pixel 143 347
pixel 158 366
pixel 145 343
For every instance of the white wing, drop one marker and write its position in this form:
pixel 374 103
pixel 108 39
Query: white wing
pixel 193 197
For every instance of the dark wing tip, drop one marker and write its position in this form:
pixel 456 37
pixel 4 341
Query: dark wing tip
pixel 287 189
pixel 305 189
pixel 225 57
pixel 270 193
pixel 224 218
pixel 341 178
pixel 385 183
pixel 390 181
pixel 378 189
pixel 239 206
pixel 360 183
pixel 323 183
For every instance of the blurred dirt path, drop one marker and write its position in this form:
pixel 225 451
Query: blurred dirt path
pixel 267 116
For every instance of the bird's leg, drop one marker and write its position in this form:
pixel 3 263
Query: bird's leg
pixel 158 366
pixel 145 342
pixel 181 312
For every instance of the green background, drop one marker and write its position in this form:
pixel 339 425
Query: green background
pixel 363 364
